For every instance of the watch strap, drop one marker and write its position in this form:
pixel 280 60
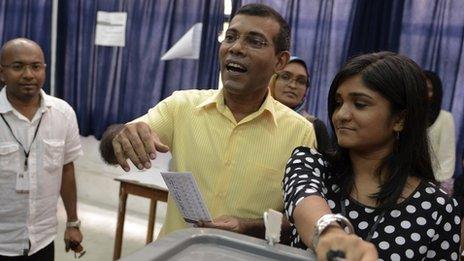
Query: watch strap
pixel 73 224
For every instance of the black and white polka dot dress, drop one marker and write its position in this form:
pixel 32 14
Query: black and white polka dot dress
pixel 425 226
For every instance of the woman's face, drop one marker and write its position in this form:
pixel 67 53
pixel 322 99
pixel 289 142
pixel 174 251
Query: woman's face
pixel 362 118
pixel 291 84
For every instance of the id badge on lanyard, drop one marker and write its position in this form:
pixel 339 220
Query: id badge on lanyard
pixel 22 180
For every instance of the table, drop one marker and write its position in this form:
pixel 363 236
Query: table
pixel 147 184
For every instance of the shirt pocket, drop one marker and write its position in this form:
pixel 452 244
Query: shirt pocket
pixel 53 156
pixel 9 158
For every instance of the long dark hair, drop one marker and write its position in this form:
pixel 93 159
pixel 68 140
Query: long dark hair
pixel 401 81
pixel 435 102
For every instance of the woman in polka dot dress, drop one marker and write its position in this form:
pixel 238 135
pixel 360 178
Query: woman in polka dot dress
pixel 380 177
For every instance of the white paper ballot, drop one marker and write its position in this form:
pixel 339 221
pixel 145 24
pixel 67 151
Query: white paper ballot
pixel 184 190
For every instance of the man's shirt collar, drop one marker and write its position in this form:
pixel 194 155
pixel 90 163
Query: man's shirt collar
pixel 217 100
pixel 5 105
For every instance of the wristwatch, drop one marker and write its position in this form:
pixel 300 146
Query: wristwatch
pixel 73 224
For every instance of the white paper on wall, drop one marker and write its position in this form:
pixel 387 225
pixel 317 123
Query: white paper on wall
pixel 111 28
pixel 188 46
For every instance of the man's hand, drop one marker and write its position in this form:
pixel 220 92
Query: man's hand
pixel 73 239
pixel 137 142
pixel 247 226
pixel 229 223
pixel 354 248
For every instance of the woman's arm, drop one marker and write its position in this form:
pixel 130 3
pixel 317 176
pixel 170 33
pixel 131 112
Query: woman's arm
pixel 334 237
pixel 306 214
pixel 304 197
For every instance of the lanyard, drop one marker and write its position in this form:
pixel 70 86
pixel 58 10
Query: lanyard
pixel 26 153
pixel 373 228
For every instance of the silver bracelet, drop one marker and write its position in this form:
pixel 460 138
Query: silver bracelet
pixel 328 220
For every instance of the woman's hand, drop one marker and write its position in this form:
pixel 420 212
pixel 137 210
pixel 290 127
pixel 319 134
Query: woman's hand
pixel 354 248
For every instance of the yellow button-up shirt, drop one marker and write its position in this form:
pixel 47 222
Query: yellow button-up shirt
pixel 238 166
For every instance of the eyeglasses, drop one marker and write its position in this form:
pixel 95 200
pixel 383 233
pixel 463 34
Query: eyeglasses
pixel 250 40
pixel 21 67
pixel 287 78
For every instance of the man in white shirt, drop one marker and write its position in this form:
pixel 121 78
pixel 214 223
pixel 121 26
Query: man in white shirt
pixel 39 140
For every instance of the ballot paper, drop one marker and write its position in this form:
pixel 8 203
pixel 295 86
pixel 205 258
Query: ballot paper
pixel 184 190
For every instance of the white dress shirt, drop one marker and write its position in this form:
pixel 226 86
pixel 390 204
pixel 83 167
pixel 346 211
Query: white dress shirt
pixel 30 218
pixel 443 146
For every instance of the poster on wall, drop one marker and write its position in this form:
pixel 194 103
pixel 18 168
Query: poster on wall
pixel 111 28
pixel 188 46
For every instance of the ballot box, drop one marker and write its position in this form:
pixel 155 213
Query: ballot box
pixel 214 245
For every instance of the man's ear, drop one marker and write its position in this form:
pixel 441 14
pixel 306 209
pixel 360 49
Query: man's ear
pixel 400 118
pixel 1 74
pixel 282 60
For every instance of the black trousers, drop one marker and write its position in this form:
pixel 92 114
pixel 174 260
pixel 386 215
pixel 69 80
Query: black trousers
pixel 45 254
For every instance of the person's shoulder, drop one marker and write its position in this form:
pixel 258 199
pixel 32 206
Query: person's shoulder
pixel 444 208
pixel 444 122
pixel 446 115
pixel 193 96
pixel 58 104
pixel 307 152
pixel 438 198
pixel 286 116
pixel 310 157
pixel 195 93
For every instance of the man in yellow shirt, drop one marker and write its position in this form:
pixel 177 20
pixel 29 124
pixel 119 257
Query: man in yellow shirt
pixel 236 140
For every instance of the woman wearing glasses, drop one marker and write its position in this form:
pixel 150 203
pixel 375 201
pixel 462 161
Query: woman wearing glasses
pixel 289 87
pixel 380 180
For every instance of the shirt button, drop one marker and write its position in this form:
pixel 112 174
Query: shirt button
pixel 228 163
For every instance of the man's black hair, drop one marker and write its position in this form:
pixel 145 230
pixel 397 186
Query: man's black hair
pixel 282 40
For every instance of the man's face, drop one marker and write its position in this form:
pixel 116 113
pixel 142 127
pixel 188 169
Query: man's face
pixel 23 70
pixel 247 54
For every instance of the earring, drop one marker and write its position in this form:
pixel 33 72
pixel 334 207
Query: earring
pixel 397 136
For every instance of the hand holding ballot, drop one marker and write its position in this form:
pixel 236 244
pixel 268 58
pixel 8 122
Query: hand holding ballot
pixel 184 190
pixel 247 226
pixel 229 223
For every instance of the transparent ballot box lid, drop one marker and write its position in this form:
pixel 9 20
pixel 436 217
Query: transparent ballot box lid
pixel 213 244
